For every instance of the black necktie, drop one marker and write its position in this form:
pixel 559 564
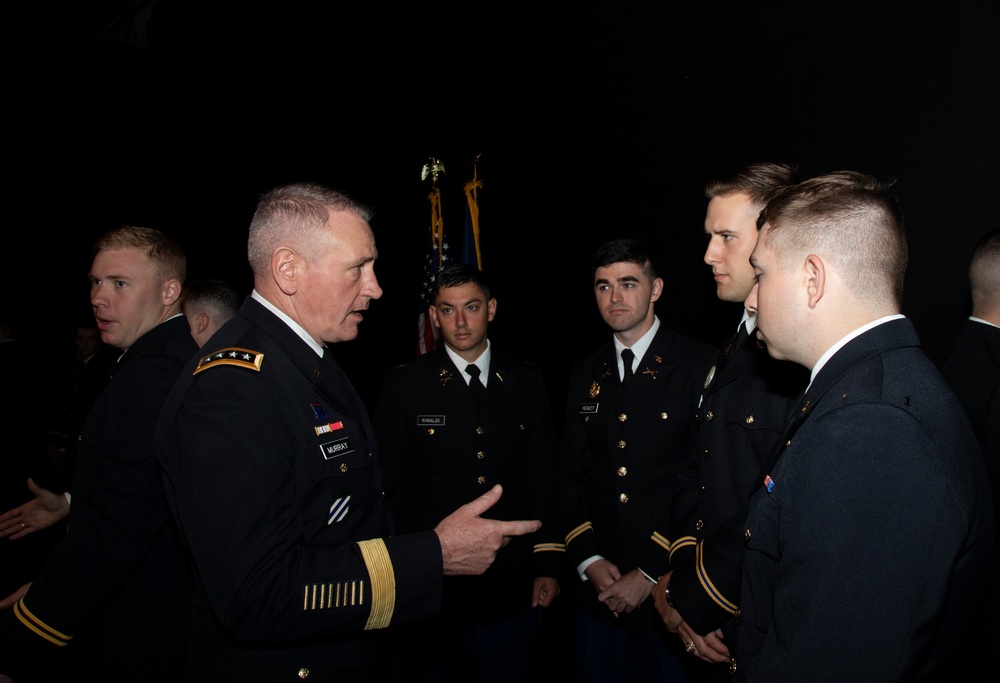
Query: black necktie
pixel 627 357
pixel 475 385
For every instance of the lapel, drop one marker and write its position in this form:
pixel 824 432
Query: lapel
pixel 653 367
pixel 732 362
pixel 443 376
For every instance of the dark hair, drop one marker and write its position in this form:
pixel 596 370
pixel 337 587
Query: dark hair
pixel 759 181
pixel 461 274
pixel 626 250
pixel 215 294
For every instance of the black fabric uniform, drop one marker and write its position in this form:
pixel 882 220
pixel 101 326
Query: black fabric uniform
pixel 269 465
pixel 116 591
pixel 439 452
pixel 742 411
pixel 619 458
pixel 868 547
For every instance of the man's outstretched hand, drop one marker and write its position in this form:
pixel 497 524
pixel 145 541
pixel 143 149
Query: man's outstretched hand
pixel 469 543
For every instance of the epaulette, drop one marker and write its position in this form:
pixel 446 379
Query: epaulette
pixel 244 358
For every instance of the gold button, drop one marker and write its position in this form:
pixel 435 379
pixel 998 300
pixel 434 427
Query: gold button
pixel 481 479
pixel 788 443
pixel 303 673
pixel 480 454
pixel 430 431
pixel 664 416
pixel 343 467
pixel 622 417
pixel 709 415
pixel 622 471
pixel 621 444
pixel 479 430
pixel 701 487
pixel 699 525
pixel 623 497
pixel 750 420
pixel 704 451
pixel 746 535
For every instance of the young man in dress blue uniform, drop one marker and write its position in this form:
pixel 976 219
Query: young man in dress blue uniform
pixel 451 424
pixel 111 603
pixel 868 542
pixel 740 415
pixel 629 414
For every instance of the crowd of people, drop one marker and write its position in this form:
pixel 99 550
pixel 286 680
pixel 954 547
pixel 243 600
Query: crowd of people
pixel 812 499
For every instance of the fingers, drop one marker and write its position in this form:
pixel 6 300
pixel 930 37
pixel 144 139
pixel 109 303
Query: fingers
pixel 518 528
pixel 485 502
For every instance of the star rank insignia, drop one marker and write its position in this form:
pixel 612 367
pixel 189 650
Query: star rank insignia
pixel 244 358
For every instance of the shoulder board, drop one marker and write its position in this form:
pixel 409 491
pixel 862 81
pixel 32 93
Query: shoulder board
pixel 244 358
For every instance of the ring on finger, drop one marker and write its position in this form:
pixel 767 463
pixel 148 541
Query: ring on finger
pixel 691 647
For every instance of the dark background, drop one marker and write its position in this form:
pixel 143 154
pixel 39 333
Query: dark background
pixel 590 122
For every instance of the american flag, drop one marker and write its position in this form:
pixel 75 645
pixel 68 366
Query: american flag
pixel 437 258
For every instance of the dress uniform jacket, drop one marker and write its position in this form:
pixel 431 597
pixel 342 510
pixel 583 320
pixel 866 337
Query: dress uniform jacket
pixel 270 472
pixel 742 411
pixel 619 458
pixel 867 545
pixel 115 592
pixel 440 451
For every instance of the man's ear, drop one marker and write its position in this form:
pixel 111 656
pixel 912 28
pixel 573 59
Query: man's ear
pixel 815 278
pixel 285 266
pixel 657 289
pixel 171 291
pixel 434 315
pixel 491 308
pixel 200 322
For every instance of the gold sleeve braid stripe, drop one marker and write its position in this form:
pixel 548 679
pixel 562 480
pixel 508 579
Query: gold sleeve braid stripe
pixel 660 540
pixel 39 627
pixel 547 547
pixel 707 584
pixel 327 595
pixel 383 581
pixel 586 526
pixel 244 358
pixel 682 542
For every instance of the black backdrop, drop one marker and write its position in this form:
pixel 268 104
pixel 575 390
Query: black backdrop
pixel 590 124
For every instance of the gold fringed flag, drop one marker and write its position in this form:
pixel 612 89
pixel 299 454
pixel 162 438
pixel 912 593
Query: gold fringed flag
pixel 437 258
pixel 471 253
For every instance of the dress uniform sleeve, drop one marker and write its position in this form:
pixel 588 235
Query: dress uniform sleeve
pixel 548 541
